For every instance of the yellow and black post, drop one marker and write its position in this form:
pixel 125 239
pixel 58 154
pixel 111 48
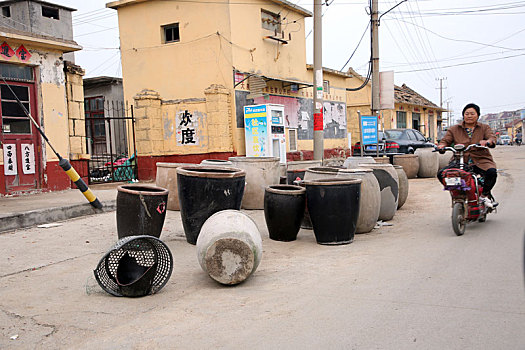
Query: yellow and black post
pixel 81 185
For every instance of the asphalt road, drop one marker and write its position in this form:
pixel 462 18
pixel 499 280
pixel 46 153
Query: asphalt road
pixel 412 285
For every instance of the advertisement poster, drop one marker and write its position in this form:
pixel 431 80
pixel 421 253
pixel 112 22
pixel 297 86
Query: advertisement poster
pixel 255 128
pixel 369 129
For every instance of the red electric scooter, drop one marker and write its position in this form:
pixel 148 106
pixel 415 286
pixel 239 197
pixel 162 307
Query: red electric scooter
pixel 465 188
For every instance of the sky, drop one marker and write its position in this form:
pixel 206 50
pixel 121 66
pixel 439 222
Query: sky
pixel 476 47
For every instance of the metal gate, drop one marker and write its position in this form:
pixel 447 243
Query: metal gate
pixel 110 136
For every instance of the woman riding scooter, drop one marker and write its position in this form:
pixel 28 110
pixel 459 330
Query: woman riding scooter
pixel 468 132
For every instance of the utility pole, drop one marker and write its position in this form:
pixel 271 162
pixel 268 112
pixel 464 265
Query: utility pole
pixel 441 91
pixel 318 82
pixel 375 58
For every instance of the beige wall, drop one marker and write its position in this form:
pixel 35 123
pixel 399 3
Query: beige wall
pixel 175 70
pixel 252 53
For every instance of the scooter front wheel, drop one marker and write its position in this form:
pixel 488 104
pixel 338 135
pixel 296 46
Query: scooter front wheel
pixel 458 219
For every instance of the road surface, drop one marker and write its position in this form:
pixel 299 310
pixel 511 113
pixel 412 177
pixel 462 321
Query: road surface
pixel 412 285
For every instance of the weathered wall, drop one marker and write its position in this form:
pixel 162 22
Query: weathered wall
pixel 180 128
pixel 75 107
pixel 27 16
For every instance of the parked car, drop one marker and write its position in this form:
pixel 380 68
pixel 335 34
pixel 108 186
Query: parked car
pixel 395 141
pixel 504 140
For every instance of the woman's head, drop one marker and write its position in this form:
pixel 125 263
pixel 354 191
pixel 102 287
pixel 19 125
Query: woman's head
pixel 471 113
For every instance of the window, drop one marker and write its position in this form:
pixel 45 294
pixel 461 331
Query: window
pixel 293 139
pixel 411 135
pixel 326 86
pixel 401 119
pixel 6 11
pixel 14 119
pixel 171 33
pixel 271 21
pixel 16 72
pixel 50 12
pixel 419 137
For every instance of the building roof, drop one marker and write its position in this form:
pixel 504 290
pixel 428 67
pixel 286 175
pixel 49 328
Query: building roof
pixel 50 4
pixel 331 71
pixel 100 81
pixel 404 94
pixel 286 4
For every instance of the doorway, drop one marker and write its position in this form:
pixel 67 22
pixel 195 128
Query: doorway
pixel 19 137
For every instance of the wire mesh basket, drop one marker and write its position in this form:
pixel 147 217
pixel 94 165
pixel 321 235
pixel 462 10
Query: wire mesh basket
pixel 135 266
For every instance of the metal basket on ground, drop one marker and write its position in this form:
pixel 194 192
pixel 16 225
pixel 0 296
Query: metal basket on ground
pixel 135 266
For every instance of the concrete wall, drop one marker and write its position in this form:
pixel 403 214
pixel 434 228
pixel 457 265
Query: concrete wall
pixel 27 16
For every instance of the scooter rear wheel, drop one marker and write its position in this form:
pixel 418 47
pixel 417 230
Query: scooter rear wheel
pixel 458 219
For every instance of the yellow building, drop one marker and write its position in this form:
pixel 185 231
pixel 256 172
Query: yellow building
pixel 33 39
pixel 192 67
pixel 411 110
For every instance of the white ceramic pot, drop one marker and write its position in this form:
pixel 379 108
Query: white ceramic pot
pixel 229 247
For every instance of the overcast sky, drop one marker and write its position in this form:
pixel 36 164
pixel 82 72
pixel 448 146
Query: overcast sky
pixel 476 46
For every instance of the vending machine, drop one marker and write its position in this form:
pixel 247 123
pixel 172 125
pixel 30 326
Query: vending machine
pixel 264 131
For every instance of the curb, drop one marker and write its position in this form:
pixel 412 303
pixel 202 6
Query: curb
pixel 11 222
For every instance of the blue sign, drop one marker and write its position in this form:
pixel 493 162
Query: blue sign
pixel 369 129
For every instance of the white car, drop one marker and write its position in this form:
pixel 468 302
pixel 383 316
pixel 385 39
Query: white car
pixel 504 140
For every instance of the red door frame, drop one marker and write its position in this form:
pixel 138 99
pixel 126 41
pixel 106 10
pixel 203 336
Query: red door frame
pixel 29 181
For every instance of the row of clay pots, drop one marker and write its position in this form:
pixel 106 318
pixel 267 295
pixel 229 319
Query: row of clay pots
pixel 260 172
pixel 333 205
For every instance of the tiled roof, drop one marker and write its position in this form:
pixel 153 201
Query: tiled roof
pixel 404 94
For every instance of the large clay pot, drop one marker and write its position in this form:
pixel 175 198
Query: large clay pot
pixel 333 205
pixel 167 178
pixel 321 172
pixel 382 160
pixel 428 162
pixel 303 164
pixel 229 247
pixel 388 181
pixel 444 159
pixel 216 162
pixel 283 210
pixel 370 201
pixel 314 173
pixel 403 185
pixel 353 162
pixel 260 173
pixel 410 164
pixel 141 210
pixel 205 190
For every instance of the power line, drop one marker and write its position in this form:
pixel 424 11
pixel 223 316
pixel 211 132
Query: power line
pixel 359 43
pixel 464 64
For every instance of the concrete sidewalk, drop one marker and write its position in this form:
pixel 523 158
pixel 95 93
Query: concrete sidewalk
pixel 36 209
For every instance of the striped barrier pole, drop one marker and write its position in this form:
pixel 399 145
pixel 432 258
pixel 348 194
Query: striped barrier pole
pixel 81 185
